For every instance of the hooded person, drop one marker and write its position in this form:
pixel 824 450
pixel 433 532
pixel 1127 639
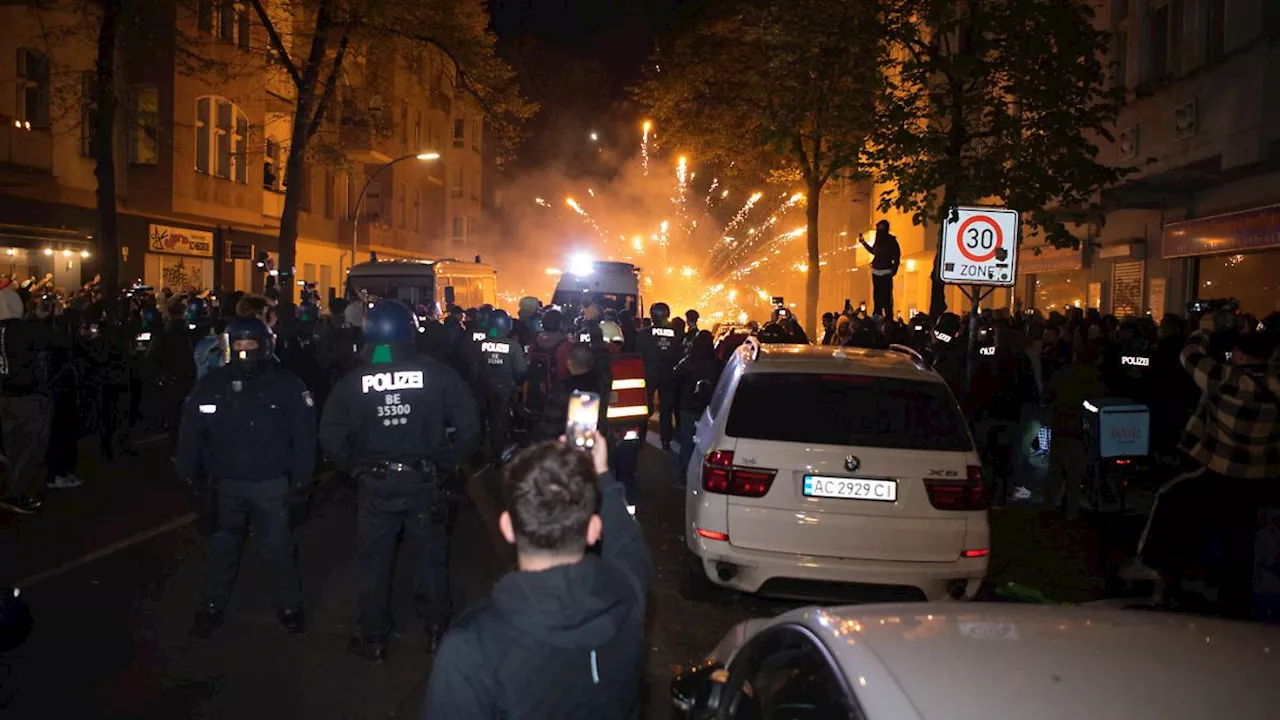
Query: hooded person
pixel 562 636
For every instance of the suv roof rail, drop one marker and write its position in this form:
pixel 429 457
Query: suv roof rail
pixel 911 352
pixel 752 343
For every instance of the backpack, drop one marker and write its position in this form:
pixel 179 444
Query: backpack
pixel 541 374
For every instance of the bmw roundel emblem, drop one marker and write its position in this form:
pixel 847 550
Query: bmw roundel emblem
pixel 851 463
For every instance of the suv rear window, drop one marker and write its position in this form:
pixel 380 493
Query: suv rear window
pixel 847 410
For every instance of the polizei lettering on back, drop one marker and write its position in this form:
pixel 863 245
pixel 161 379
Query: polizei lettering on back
pixel 498 347
pixel 664 332
pixel 384 382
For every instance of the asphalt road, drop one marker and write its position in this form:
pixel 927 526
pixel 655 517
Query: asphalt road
pixel 113 571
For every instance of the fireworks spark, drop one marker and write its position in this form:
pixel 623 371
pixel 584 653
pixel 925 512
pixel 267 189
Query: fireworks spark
pixel 591 192
pixel 541 202
pixel 644 146
pixel 574 204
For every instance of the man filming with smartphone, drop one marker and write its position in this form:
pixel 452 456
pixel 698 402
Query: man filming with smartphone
pixel 563 635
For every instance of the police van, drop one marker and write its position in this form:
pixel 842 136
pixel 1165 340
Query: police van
pixel 424 283
pixel 611 285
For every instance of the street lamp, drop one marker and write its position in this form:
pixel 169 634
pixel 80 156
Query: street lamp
pixel 355 225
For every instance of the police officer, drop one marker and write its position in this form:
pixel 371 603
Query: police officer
pixel 660 346
pixel 247 447
pixel 386 423
pixel 502 371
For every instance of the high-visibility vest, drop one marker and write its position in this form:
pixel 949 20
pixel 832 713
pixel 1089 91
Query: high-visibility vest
pixel 628 403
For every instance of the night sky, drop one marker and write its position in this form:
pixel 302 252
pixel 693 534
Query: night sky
pixel 576 58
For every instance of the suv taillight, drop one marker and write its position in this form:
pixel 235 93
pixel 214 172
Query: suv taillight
pixel 970 493
pixel 721 477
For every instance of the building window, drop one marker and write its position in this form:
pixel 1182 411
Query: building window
pixel 1215 29
pixel 1158 44
pixel 222 131
pixel 329 202
pixel 1119 10
pixel 404 218
pixel 475 135
pixel 417 131
pixel 88 112
pixel 226 19
pixel 417 210
pixel 459 133
pixel 1120 59
pixel 459 183
pixel 475 186
pixel 404 127
pixel 459 228
pixel 33 88
pixel 271 170
pixel 144 125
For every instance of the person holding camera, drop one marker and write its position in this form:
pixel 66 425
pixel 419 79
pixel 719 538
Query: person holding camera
pixel 562 636
pixel 1234 438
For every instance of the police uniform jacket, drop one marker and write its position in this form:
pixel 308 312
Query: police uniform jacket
pixel 255 428
pixel 398 412
pixel 502 362
pixel 661 347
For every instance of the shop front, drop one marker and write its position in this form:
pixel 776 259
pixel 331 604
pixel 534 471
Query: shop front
pixel 1054 279
pixel 1236 255
pixel 180 259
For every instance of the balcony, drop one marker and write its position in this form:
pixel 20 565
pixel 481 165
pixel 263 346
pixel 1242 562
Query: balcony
pixel 25 148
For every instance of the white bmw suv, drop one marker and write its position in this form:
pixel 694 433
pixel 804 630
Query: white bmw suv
pixel 824 467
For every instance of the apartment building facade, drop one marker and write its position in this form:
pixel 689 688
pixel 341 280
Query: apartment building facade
pixel 1199 217
pixel 202 141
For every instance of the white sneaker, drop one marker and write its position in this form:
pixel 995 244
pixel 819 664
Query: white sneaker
pixel 1021 493
pixel 66 482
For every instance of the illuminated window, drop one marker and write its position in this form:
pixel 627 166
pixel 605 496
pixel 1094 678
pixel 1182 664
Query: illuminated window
pixel 144 125
pixel 459 133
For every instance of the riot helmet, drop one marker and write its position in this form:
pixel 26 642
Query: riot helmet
pixel 195 310
pixel 249 344
pixel 390 322
pixel 552 321
pixel 499 324
pixel 660 312
pixel 773 333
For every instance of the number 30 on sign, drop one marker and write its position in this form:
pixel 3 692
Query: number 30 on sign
pixel 980 247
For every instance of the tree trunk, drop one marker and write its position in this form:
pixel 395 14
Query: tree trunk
pixel 812 203
pixel 938 289
pixel 295 185
pixel 104 155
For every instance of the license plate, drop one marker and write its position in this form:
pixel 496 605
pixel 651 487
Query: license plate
pixel 850 488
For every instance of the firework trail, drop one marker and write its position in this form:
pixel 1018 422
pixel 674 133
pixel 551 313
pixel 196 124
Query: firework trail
pixel 644 147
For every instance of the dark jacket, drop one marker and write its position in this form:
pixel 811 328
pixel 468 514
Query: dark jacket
pixel 556 415
pixel 27 350
pixel 564 643
pixel 699 366
pixel 264 430
pixel 399 412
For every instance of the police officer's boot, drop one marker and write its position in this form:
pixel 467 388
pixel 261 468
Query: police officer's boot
pixel 432 635
pixel 208 618
pixel 293 620
pixel 375 651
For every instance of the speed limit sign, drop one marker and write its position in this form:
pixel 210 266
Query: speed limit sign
pixel 980 246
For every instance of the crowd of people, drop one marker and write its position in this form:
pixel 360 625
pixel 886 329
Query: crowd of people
pixel 401 400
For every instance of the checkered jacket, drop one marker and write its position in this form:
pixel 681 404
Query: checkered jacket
pixel 1236 429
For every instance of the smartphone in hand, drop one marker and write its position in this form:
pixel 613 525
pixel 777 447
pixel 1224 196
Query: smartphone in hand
pixel 583 417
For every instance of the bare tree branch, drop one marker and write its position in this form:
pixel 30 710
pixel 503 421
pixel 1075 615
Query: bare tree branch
pixel 330 84
pixel 278 44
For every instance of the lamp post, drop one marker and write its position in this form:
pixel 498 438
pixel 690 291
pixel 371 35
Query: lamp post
pixel 355 224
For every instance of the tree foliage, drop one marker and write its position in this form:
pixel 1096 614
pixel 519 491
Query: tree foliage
pixel 786 90
pixel 995 100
